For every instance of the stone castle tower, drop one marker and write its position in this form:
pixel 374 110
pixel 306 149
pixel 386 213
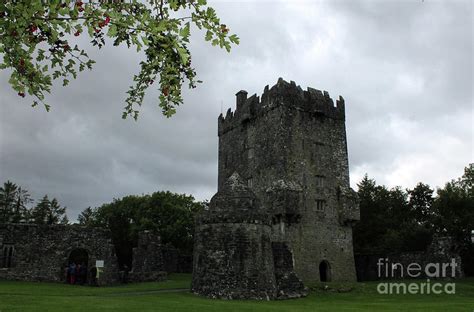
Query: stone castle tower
pixel 289 147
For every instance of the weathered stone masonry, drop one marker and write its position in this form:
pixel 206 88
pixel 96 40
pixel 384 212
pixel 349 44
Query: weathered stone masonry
pixel 41 252
pixel 284 208
pixel 148 259
pixel 233 254
pixel 290 148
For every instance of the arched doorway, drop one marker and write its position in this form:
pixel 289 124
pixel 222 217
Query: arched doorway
pixel 324 271
pixel 77 266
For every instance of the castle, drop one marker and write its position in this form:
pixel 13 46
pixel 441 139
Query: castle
pixel 290 149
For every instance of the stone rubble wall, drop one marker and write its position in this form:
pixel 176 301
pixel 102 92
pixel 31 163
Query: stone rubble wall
pixel 148 259
pixel 41 252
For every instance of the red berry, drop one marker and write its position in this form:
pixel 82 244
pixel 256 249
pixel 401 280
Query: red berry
pixel 107 20
pixel 80 9
pixel 22 94
pixel 77 33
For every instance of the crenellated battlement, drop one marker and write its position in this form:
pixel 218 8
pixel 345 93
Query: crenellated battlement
pixel 282 94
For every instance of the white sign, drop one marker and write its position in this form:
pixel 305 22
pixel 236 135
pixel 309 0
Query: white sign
pixel 99 263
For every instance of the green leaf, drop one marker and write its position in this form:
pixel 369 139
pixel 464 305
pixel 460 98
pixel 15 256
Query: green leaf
pixel 184 32
pixel 183 54
pixel 112 32
pixel 208 35
pixel 234 39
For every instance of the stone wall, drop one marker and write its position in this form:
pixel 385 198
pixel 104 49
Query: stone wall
pixel 41 252
pixel 148 259
pixel 232 248
pixel 289 286
pixel 290 148
pixel 175 261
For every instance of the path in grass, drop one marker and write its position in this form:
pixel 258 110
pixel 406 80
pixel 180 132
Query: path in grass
pixel 174 295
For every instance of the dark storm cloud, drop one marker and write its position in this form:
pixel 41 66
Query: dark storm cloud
pixel 404 68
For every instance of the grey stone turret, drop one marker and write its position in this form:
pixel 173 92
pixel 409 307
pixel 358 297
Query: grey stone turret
pixel 232 248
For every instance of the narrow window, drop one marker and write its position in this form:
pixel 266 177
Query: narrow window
pixel 250 153
pixel 250 182
pixel 8 254
pixel 318 150
pixel 320 205
pixel 319 181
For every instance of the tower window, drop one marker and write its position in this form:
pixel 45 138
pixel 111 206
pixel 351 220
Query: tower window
pixel 320 204
pixel 250 182
pixel 319 181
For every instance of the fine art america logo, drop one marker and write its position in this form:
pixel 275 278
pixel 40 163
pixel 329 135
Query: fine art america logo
pixel 387 269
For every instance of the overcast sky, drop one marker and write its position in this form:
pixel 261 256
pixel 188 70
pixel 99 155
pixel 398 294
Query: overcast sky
pixel 405 69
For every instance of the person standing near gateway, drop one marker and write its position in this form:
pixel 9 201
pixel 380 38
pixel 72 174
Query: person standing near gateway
pixel 72 273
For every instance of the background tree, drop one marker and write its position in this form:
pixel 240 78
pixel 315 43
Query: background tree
pixel 7 201
pixel 14 201
pixel 21 209
pixel 48 212
pixel 388 222
pixel 395 220
pixel 172 215
pixel 57 214
pixel 37 43
pixel 87 217
pixel 454 215
pixel 39 213
pixel 421 203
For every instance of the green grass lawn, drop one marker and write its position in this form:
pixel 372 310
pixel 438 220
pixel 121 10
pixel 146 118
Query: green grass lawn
pixel 27 296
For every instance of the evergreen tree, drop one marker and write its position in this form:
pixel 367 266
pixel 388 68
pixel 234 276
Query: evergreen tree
pixel 87 217
pixel 49 212
pixel 421 203
pixel 8 193
pixel 39 214
pixel 57 214
pixel 20 210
